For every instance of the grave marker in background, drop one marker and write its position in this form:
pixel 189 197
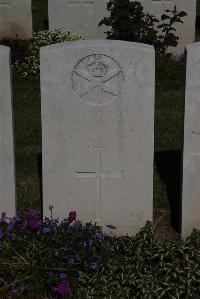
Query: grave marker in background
pixel 7 173
pixel 98 132
pixel 15 19
pixel 78 16
pixel 191 152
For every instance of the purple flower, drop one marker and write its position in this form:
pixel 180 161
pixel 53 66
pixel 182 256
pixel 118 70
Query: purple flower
pixel 50 273
pixel 102 236
pixel 77 225
pixel 32 213
pixel 111 226
pixel 66 248
pixel 46 230
pixel 63 288
pixel 14 289
pixel 93 266
pixel 86 244
pixel 3 215
pixel 72 216
pixel 63 275
pixel 34 223
pixel 56 252
pixel 24 225
pixel 17 288
pixel 9 228
pixel 71 261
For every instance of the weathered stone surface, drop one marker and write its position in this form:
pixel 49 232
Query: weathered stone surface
pixel 15 19
pixel 191 152
pixel 7 177
pixel 78 16
pixel 98 131
pixel 186 31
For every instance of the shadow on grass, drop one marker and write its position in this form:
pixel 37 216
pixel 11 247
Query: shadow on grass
pixel 168 165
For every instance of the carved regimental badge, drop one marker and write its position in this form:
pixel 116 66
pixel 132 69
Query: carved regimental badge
pixel 97 78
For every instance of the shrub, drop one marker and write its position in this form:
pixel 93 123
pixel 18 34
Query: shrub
pixel 129 22
pixel 46 258
pixel 30 66
pixel 66 259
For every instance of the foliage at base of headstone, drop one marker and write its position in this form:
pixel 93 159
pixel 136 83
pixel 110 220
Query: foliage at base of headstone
pixel 46 258
pixel 66 259
pixel 129 22
pixel 30 66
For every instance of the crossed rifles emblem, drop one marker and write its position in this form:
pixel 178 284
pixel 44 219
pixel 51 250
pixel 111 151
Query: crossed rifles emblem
pixel 97 74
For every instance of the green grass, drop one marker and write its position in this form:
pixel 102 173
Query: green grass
pixel 198 20
pixel 40 13
pixel 169 106
pixel 198 7
pixel 27 126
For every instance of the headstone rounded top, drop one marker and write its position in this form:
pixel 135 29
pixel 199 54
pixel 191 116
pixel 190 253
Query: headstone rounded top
pixel 4 48
pixel 193 45
pixel 100 43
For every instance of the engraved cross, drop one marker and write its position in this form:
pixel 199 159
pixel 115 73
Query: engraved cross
pixel 98 174
pixel 196 132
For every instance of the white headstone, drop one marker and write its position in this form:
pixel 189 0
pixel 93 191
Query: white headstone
pixel 15 19
pixel 186 31
pixel 7 176
pixel 191 153
pixel 78 16
pixel 98 131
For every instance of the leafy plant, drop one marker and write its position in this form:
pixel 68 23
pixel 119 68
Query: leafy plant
pixel 30 66
pixel 129 22
pixel 66 259
pixel 46 258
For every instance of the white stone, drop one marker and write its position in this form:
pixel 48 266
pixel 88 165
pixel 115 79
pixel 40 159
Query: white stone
pixel 186 31
pixel 98 131
pixel 7 176
pixel 191 152
pixel 78 16
pixel 15 19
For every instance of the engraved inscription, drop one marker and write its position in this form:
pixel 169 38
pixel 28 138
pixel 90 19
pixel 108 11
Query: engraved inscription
pixel 5 10
pixel 99 175
pixel 5 3
pixel 97 71
pixel 162 0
